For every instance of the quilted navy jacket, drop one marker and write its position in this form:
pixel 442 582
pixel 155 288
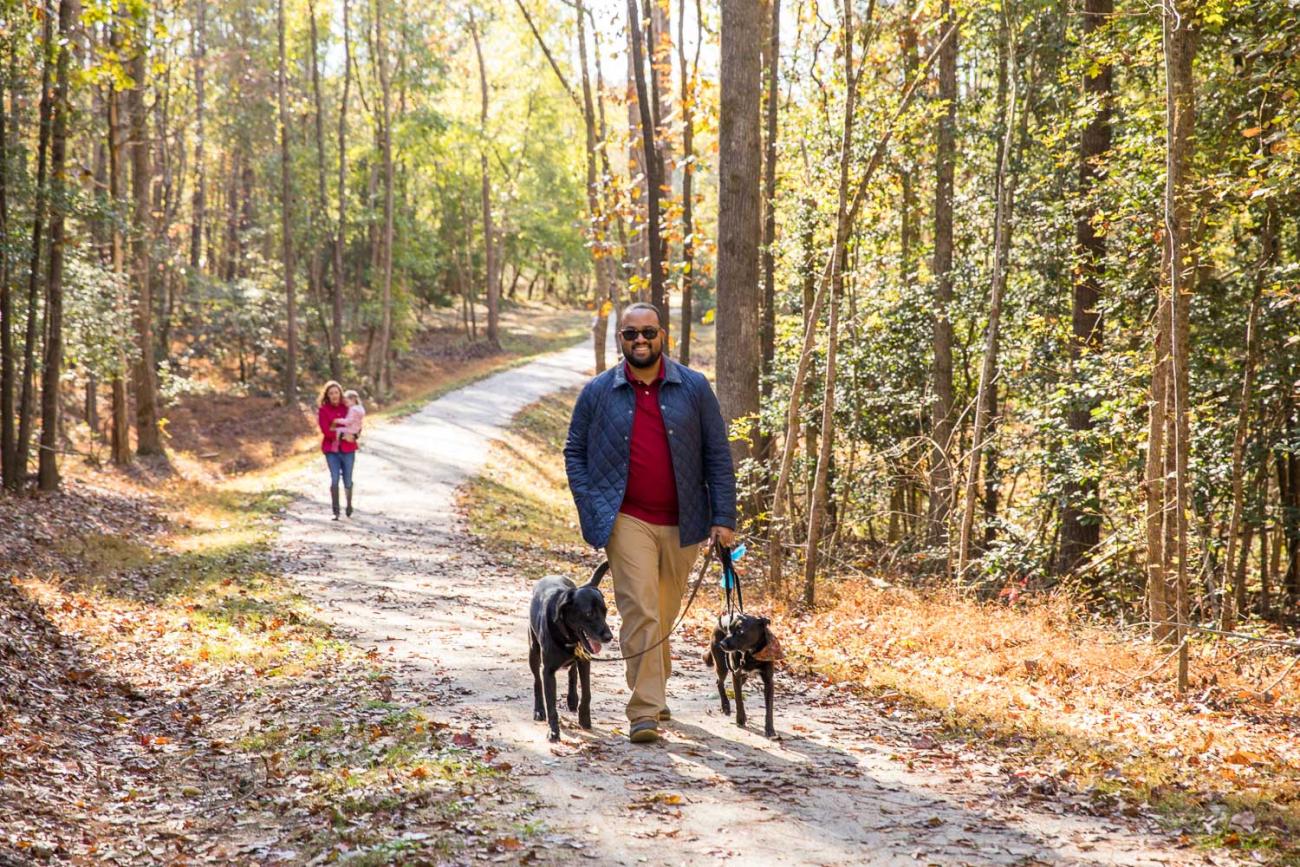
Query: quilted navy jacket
pixel 596 454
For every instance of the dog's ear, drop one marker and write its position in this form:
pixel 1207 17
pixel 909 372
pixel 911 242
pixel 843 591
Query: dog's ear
pixel 597 574
pixel 764 621
pixel 771 651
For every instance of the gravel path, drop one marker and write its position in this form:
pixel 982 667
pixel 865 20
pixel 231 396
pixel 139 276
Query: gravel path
pixel 847 783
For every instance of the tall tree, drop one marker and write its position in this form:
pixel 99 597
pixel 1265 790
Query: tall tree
pixel 148 432
pixel 385 133
pixel 597 203
pixel 739 227
pixel 340 230
pixel 1169 439
pixel 318 216
pixel 653 159
pixel 27 399
pixel 286 224
pixel 826 447
pixel 689 90
pixel 1003 198
pixel 52 371
pixel 120 429
pixel 8 435
pixel 199 202
pixel 491 266
pixel 767 338
pixel 941 407
pixel 1080 523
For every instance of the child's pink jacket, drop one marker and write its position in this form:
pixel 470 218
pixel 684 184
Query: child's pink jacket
pixel 352 421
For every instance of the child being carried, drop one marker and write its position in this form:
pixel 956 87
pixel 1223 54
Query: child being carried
pixel 349 427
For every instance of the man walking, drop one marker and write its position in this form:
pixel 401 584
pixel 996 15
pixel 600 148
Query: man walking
pixel 651 475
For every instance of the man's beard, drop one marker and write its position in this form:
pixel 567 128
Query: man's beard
pixel 650 360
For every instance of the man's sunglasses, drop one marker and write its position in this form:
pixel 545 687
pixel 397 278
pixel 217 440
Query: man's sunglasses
pixel 650 332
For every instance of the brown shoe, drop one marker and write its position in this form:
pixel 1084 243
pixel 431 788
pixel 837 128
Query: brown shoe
pixel 644 731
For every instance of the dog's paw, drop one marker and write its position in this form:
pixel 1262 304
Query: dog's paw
pixel 553 736
pixel 584 720
pixel 726 708
pixel 539 715
pixel 740 720
pixel 573 701
pixel 771 733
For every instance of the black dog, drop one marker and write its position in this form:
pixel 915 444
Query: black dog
pixel 741 644
pixel 566 625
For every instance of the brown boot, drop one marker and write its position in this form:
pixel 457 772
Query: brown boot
pixel 334 500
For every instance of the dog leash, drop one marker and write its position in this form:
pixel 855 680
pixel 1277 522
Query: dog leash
pixel 699 581
pixel 730 581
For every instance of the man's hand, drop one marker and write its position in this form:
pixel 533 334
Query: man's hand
pixel 724 536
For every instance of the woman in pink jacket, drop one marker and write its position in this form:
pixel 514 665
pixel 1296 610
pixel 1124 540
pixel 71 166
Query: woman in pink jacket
pixel 340 451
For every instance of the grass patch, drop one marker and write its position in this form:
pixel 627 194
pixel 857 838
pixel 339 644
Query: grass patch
pixel 1071 697
pixel 519 508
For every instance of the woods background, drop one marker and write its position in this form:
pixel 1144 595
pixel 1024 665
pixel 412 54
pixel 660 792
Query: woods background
pixel 1005 293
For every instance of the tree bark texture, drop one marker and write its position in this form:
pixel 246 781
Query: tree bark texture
pixel 739 226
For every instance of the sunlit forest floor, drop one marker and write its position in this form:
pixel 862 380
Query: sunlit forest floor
pixel 1079 716
pixel 166 695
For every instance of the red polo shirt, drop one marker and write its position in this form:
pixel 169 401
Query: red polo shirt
pixel 651 487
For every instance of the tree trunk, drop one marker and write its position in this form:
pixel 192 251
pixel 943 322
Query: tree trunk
pixel 27 400
pixel 1289 531
pixel 148 432
pixel 318 214
pixel 826 448
pixel 489 240
pixel 739 226
pixel 689 87
pixel 8 435
pixel 1172 354
pixel 286 226
pixel 200 199
pixel 767 330
pixel 386 142
pixel 653 160
pixel 658 54
pixel 941 410
pixel 907 216
pixel 120 430
pixel 48 473
pixel 340 231
pixel 1233 587
pixel 612 212
pixel 1004 197
pixel 595 211
pixel 1080 521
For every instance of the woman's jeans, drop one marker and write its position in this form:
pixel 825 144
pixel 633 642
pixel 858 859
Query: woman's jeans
pixel 340 464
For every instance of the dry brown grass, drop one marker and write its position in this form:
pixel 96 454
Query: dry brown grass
pixel 1089 701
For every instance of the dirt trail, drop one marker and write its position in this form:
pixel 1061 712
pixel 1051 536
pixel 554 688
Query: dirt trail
pixel 848 782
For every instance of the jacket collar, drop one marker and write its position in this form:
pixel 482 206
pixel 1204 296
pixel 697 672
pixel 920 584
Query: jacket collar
pixel 671 372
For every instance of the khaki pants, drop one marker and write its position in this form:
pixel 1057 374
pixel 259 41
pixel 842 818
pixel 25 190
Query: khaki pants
pixel 650 569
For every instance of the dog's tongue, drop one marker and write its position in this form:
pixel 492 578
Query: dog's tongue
pixel 594 646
